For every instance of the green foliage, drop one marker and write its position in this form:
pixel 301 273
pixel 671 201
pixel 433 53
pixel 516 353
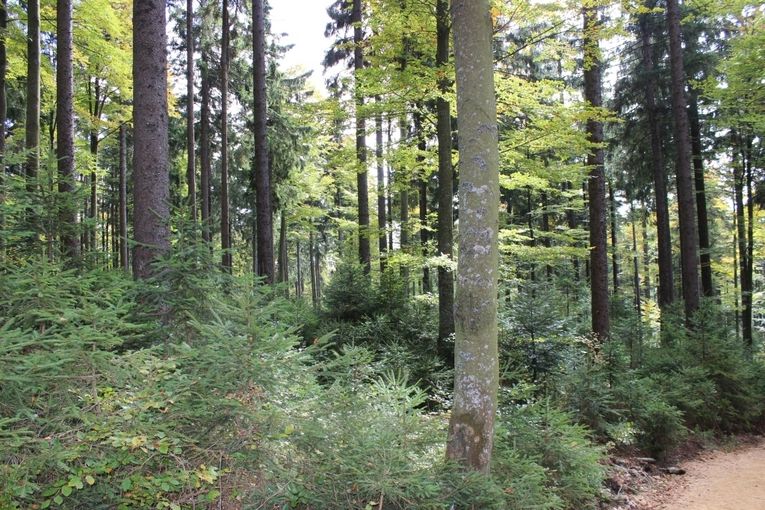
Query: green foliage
pixel 349 294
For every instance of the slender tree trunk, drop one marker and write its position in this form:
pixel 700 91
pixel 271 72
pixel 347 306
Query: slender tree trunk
pixel 361 143
pixel 389 194
pixel 65 130
pixel 3 113
pixel 646 258
pixel 32 125
pixel 312 267
pixel 264 227
pixel 471 426
pixel 191 168
pixel 151 179
pixel 204 155
pixel 299 270
pixel 705 257
pixel 614 239
pixel 225 222
pixel 546 242
pixel 93 212
pixel 445 186
pixel 597 180
pixel 666 294
pixel 635 260
pixel 283 275
pixel 404 200
pixel 747 301
pixel 123 200
pixel 571 220
pixel 422 184
pixel 736 309
pixel 743 253
pixel 382 222
pixel 686 203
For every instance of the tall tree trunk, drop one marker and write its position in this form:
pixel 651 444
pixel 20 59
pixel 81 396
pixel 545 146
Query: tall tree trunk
pixel 361 143
pixel 3 112
pixel 686 203
pixel 204 154
pixel 65 130
pixel 93 212
pixel 404 203
pixel 614 239
pixel 283 276
pixel 597 179
pixel 646 258
pixel 736 310
pixel 225 222
pixel 191 168
pixel 445 185
pixel 299 271
pixel 666 294
pixel 546 242
pixel 123 245
pixel 382 222
pixel 705 257
pixel 572 222
pixel 151 178
pixel 32 125
pixel 389 180
pixel 635 260
pixel 422 184
pixel 739 171
pixel 262 184
pixel 312 267
pixel 471 426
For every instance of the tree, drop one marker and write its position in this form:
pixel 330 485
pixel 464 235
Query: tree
pixel 65 129
pixel 262 177
pixel 32 125
pixel 362 189
pixel 664 239
pixel 686 202
pixel 191 170
pixel 471 426
pixel 445 182
pixel 122 203
pixel 151 180
pixel 597 177
pixel 225 221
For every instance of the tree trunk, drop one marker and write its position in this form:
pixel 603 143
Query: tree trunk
pixel 382 221
pixel 736 311
pixel 225 222
pixel 646 260
pixel 65 131
pixel 597 180
pixel 123 245
pixel 93 212
pixel 151 179
pixel 191 168
pixel 204 154
pixel 404 200
pixel 262 184
pixel 666 294
pixel 3 112
pixel 312 267
pixel 361 143
pixel 614 239
pixel 422 184
pixel 32 125
pixel 283 269
pixel 546 242
pixel 705 257
pixel 471 426
pixel 686 203
pixel 445 186
pixel 299 270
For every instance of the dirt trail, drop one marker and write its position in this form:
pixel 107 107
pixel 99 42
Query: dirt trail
pixel 719 481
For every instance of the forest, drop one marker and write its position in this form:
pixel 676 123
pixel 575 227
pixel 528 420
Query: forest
pixel 503 243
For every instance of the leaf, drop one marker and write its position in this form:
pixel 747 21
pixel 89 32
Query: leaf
pixel 66 490
pixel 126 484
pixel 58 499
pixel 90 480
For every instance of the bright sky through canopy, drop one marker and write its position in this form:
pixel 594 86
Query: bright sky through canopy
pixel 303 22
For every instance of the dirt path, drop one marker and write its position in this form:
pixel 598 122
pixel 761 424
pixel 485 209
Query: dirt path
pixel 718 480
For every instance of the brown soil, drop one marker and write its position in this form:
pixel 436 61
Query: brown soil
pixel 714 480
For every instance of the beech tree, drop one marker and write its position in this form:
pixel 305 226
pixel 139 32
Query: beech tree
pixel 471 426
pixel 151 180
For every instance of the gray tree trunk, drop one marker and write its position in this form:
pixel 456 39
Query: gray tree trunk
pixel 123 245
pixel 225 222
pixel 32 125
pixel 362 188
pixel 65 130
pixel 151 178
pixel 191 168
pixel 471 426
pixel 205 165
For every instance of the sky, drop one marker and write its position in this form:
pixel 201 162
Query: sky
pixel 303 22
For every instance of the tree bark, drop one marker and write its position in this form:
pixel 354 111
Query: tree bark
pixel 65 130
pixel 422 185
pixel 3 114
pixel 597 180
pixel 705 257
pixel 361 143
pixel 382 221
pixel 123 245
pixel 225 222
pixel 614 239
pixel 204 155
pixel 151 179
pixel 686 203
pixel 471 426
pixel 262 184
pixel 191 168
pixel 666 294
pixel 445 185
pixel 283 268
pixel 32 125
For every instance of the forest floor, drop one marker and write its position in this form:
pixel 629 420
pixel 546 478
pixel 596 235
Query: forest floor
pixel 724 478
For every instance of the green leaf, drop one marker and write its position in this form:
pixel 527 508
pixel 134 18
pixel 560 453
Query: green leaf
pixel 58 499
pixel 66 490
pixel 45 504
pixel 90 480
pixel 126 484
